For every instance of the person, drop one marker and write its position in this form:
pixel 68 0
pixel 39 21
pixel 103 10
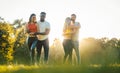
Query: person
pixel 43 40
pixel 75 37
pixel 30 29
pixel 67 42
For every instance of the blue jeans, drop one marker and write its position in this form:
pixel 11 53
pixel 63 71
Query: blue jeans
pixel 45 44
pixel 32 41
pixel 34 44
pixel 67 45
pixel 76 48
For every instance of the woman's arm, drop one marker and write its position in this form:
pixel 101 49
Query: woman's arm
pixel 38 29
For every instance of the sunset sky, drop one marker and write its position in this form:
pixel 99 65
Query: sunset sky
pixel 98 18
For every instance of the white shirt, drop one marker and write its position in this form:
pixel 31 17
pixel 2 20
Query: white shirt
pixel 42 28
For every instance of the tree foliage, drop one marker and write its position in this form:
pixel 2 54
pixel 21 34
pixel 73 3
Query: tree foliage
pixel 6 42
pixel 103 50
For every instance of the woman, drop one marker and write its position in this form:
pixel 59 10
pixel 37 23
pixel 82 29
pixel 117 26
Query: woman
pixel 67 43
pixel 31 29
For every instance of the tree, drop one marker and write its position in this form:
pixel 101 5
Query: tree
pixel 6 42
pixel 21 52
pixel 18 23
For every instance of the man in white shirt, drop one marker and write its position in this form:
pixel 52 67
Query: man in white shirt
pixel 43 41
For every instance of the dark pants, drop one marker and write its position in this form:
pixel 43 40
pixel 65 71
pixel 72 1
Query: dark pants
pixel 45 44
pixel 32 41
pixel 76 48
pixel 67 45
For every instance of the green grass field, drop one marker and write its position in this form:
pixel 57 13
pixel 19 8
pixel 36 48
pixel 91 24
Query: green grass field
pixel 114 68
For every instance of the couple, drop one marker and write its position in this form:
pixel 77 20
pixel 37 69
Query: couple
pixel 38 36
pixel 71 38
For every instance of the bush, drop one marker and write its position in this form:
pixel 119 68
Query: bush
pixel 6 42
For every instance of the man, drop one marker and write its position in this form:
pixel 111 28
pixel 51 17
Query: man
pixel 43 41
pixel 75 38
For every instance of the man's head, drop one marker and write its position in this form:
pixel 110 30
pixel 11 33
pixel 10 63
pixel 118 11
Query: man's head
pixel 42 16
pixel 73 17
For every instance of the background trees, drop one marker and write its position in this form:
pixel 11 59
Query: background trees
pixel 103 51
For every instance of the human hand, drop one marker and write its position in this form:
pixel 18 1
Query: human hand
pixel 32 33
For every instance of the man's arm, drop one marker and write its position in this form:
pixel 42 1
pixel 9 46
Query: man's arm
pixel 47 31
pixel 67 33
pixel 43 33
pixel 75 26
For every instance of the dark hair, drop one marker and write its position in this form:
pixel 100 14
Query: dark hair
pixel 31 17
pixel 73 15
pixel 43 13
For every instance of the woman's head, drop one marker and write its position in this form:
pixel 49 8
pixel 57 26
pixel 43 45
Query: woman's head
pixel 32 18
pixel 68 20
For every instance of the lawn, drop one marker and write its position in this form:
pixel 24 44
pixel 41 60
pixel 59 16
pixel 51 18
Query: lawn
pixel 113 68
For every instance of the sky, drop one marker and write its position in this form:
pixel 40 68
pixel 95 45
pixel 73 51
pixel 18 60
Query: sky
pixel 98 18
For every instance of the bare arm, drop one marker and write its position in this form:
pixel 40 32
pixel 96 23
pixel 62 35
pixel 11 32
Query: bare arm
pixel 65 28
pixel 43 33
pixel 74 26
pixel 38 29
pixel 78 26
pixel 47 31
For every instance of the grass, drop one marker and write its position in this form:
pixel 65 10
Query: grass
pixel 113 68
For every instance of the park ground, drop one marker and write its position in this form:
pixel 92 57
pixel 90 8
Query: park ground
pixel 93 68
